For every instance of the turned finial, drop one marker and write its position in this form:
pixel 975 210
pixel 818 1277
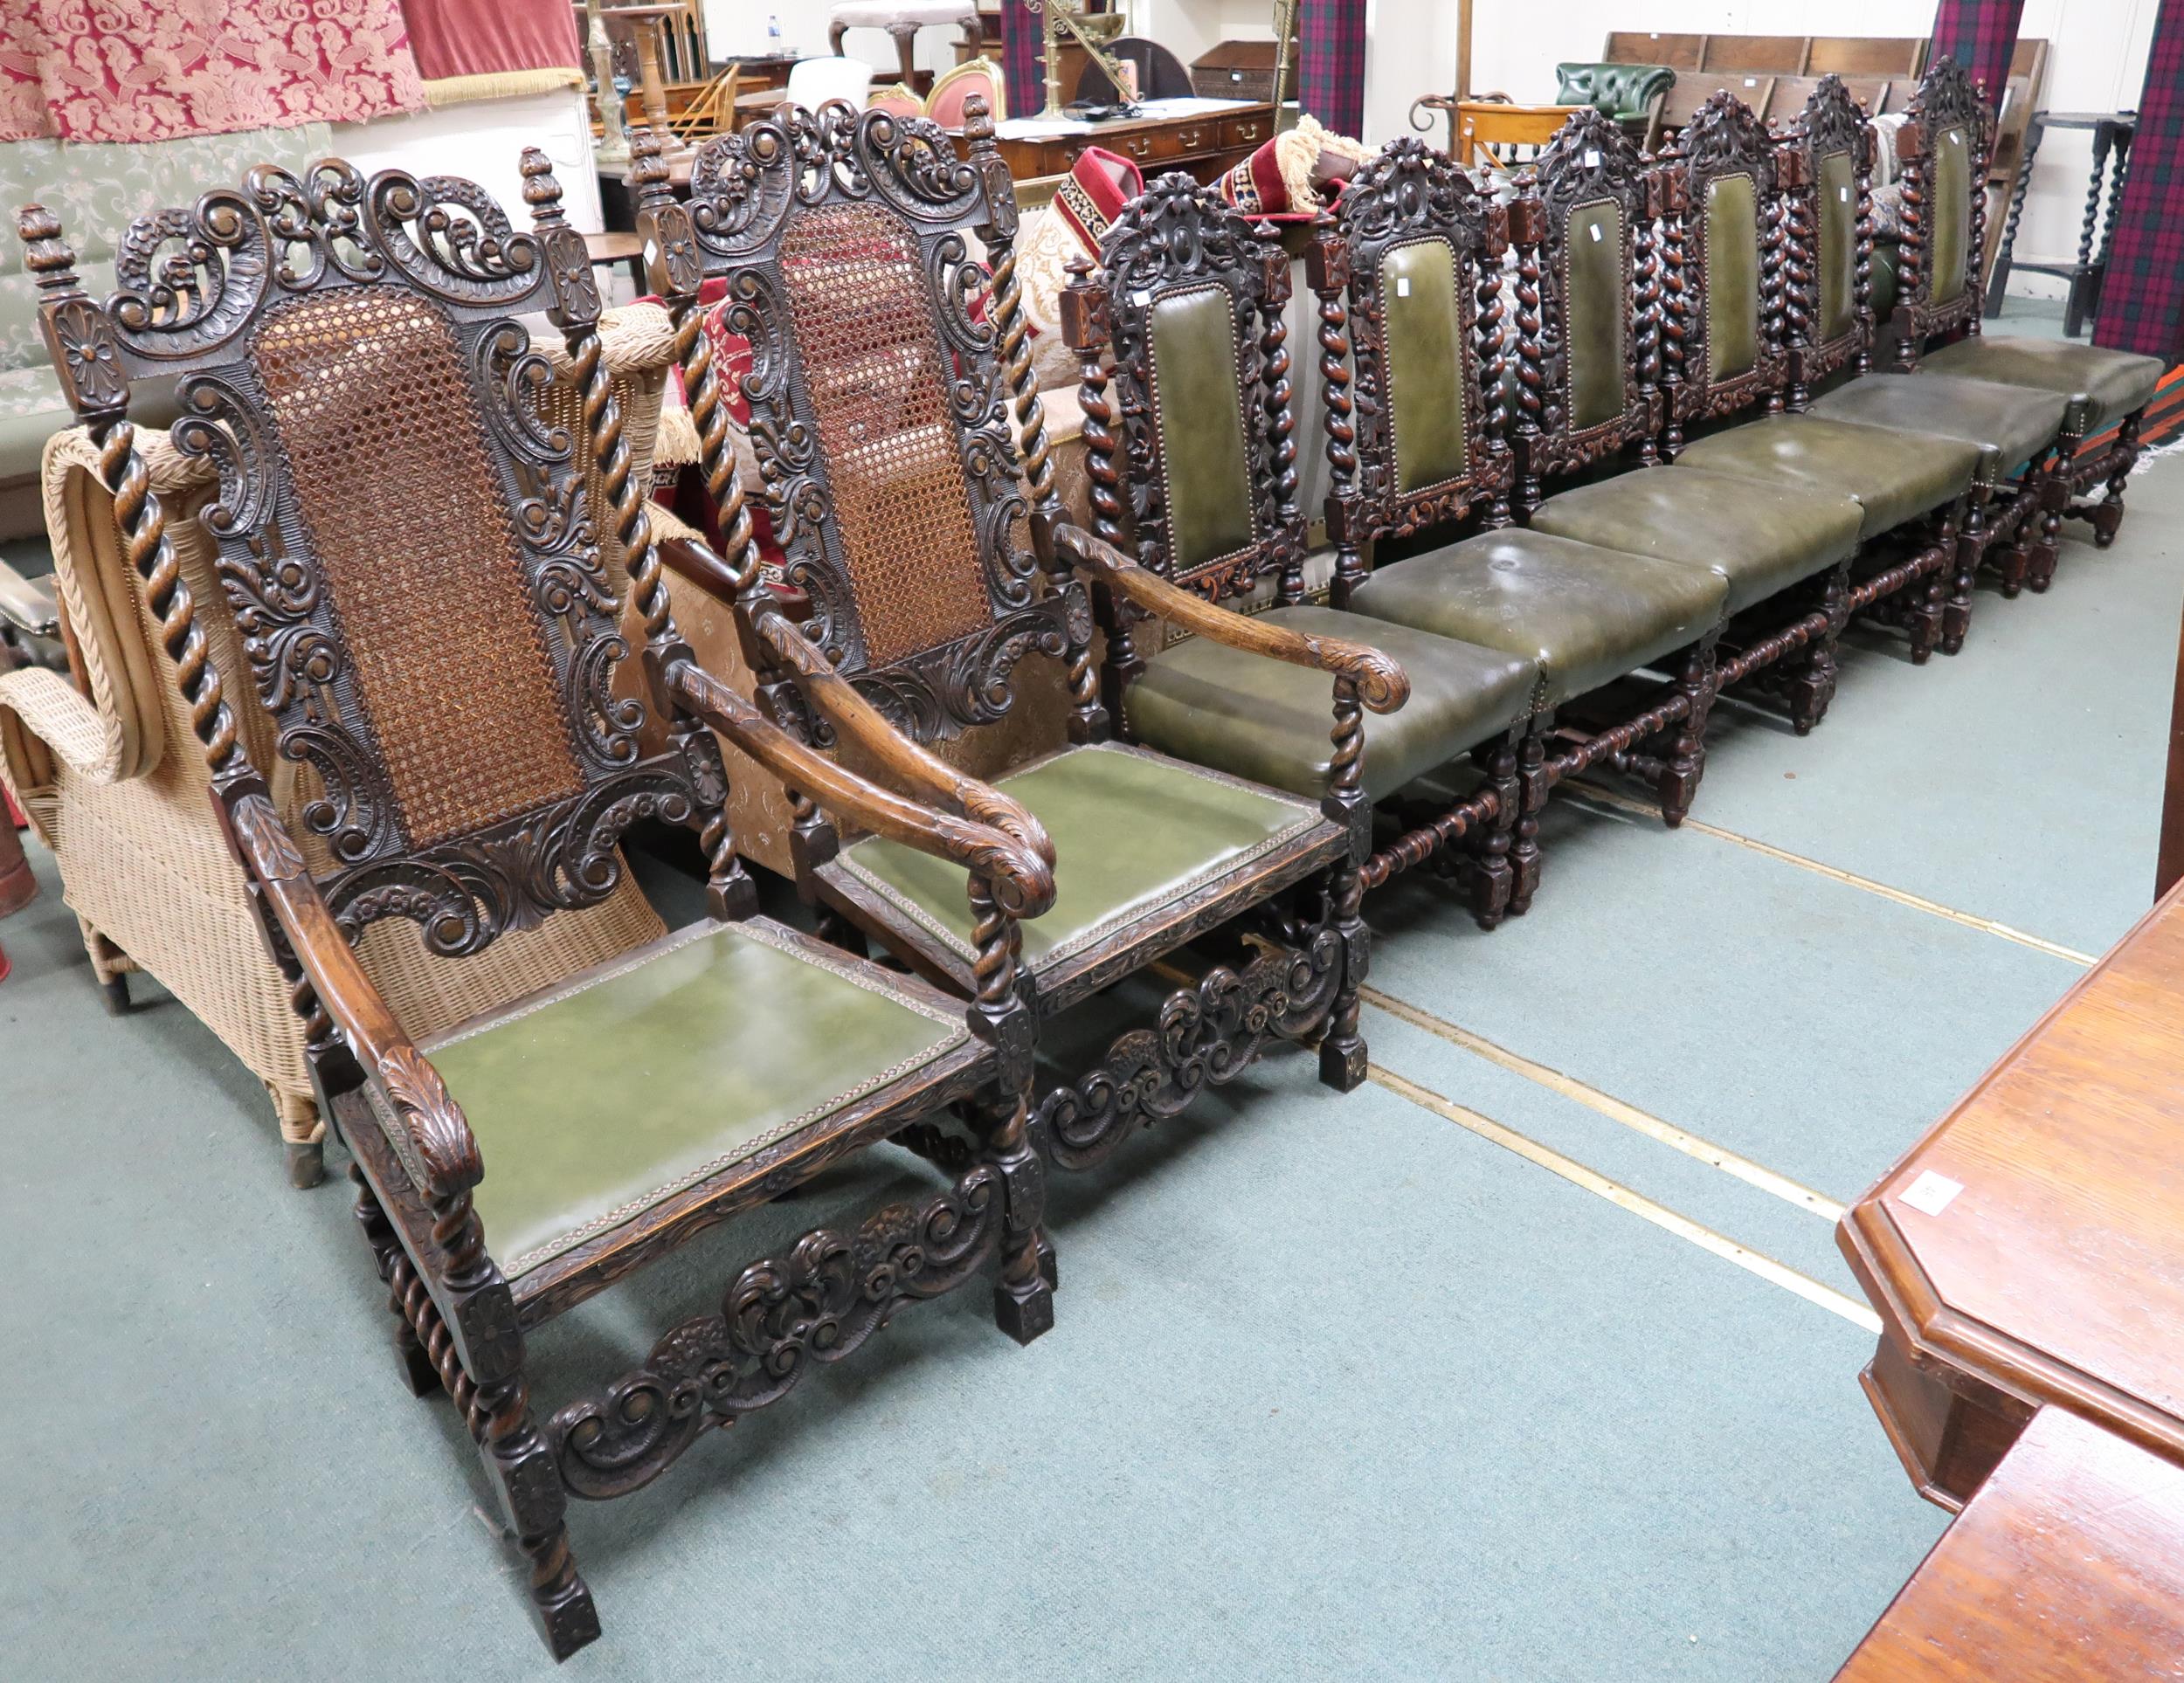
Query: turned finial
pixel 45 254
pixel 647 168
pixel 541 191
pixel 978 119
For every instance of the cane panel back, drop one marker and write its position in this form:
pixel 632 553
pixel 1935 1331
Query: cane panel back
pixel 1408 271
pixel 1942 148
pixel 1732 212
pixel 402 537
pixel 878 403
pixel 1827 295
pixel 1193 394
pixel 1588 288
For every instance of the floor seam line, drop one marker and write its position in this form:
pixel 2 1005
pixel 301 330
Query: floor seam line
pixel 1661 1131
pixel 1757 1263
pixel 1850 879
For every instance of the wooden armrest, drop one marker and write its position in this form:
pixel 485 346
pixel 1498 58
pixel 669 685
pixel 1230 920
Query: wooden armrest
pixel 1022 882
pixel 428 1131
pixel 697 563
pixel 923 772
pixel 1382 684
pixel 30 608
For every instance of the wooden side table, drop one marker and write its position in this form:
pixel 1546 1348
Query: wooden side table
pixel 2112 131
pixel 2028 1251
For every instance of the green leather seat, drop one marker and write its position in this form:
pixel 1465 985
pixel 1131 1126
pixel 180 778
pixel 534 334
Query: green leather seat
pixel 1760 536
pixel 1587 616
pixel 1268 720
pixel 1617 90
pixel 1893 477
pixel 2017 422
pixel 721 1040
pixel 1133 831
pixel 2113 383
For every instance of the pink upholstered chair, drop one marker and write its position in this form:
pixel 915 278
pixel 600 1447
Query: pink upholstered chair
pixel 979 76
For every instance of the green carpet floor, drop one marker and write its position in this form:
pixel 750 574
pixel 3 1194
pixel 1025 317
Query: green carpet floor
pixel 1339 1389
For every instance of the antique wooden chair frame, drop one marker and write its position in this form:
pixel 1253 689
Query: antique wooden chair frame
pixel 1946 98
pixel 1831 123
pixel 1179 237
pixel 1305 977
pixel 198 288
pixel 1934 585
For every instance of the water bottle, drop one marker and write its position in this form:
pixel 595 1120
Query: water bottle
pixel 773 35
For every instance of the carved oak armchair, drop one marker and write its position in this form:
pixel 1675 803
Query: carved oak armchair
pixel 1943 145
pixel 880 411
pixel 1190 455
pixel 351 364
pixel 1416 345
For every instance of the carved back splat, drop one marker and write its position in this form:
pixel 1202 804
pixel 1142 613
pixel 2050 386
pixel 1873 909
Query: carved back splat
pixel 879 403
pixel 1402 203
pixel 1946 111
pixel 1589 189
pixel 403 536
pixel 1731 339
pixel 1179 246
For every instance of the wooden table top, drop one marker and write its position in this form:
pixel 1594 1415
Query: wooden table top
pixel 2069 1564
pixel 2054 1269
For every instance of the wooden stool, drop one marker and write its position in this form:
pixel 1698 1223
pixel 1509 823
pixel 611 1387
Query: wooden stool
pixel 902 19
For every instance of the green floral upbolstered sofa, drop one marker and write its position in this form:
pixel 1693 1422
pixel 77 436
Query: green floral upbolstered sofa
pixel 97 189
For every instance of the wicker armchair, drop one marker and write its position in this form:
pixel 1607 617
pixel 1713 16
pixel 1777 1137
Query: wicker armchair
pixel 104 770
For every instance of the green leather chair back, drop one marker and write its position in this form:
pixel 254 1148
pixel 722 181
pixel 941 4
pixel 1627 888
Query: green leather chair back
pixel 1192 298
pixel 1204 479
pixel 1401 261
pixel 1596 313
pixel 1613 90
pixel 1951 213
pixel 1730 263
pixel 1837 185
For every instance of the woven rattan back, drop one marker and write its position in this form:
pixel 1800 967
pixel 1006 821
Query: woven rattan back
pixel 1584 333
pixel 1408 272
pixel 1193 393
pixel 405 540
pixel 879 403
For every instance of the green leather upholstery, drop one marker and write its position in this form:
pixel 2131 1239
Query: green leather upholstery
pixel 1618 90
pixel 1598 289
pixel 1759 537
pixel 593 1103
pixel 1952 213
pixel 1266 719
pixel 1838 244
pixel 1888 262
pixel 2014 422
pixel 1424 341
pixel 1893 477
pixel 1133 831
pixel 1732 277
pixel 1587 616
pixel 2113 382
pixel 1201 420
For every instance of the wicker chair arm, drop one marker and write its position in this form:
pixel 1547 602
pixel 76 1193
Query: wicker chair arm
pixel 419 1115
pixel 1382 684
pixel 59 715
pixel 921 774
pixel 1022 883
pixel 30 608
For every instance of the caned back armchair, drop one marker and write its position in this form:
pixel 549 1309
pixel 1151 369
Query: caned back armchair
pixel 102 763
pixel 890 384
pixel 352 366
